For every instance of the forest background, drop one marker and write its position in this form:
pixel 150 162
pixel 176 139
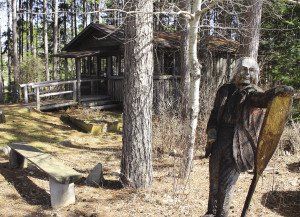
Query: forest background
pixel 45 27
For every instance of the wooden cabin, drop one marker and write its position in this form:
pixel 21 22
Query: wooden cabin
pixel 99 58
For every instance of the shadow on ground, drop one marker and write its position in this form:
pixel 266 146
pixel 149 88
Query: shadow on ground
pixel 27 189
pixel 285 203
pixel 294 167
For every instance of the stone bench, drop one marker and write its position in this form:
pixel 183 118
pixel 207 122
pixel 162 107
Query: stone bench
pixel 61 177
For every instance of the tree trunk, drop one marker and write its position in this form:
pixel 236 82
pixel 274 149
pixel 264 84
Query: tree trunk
pixel 84 13
pixel 99 14
pixel 1 72
pixel 9 43
pixel 15 61
pixel 193 105
pixel 45 28
pixel 136 165
pixel 185 75
pixel 251 29
pixel 55 38
pixel 26 27
pixel 75 17
pixel 20 30
pixel 31 44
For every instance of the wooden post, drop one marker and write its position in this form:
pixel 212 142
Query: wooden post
pixel 74 91
pixel 119 65
pixel 78 77
pixel 109 72
pixel 66 69
pixel 162 71
pixel 174 64
pixel 38 100
pixel 26 94
pixel 92 87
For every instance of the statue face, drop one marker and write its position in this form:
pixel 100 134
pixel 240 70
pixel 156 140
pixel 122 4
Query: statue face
pixel 247 72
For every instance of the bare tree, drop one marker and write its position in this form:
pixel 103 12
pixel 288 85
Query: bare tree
pixel 185 76
pixel 194 68
pixel 136 165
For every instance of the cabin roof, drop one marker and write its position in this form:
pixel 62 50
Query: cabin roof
pixel 108 39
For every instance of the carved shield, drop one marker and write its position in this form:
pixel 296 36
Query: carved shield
pixel 270 133
pixel 271 130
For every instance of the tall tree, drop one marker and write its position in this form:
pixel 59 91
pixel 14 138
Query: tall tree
pixel 84 16
pixel 280 45
pixel 251 28
pixel 8 3
pixel 45 33
pixel 1 71
pixel 31 44
pixel 136 164
pixel 75 17
pixel 15 60
pixel 55 37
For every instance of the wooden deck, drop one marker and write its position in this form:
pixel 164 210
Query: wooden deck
pixel 52 104
pixel 88 101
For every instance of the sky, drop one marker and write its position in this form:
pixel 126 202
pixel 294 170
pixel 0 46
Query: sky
pixel 3 18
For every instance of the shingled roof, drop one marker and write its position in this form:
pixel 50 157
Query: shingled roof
pixel 104 38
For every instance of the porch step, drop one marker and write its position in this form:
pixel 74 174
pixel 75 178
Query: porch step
pixel 108 106
pixel 98 103
pixel 94 98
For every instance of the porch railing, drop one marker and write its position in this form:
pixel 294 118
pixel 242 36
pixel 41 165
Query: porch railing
pixel 49 89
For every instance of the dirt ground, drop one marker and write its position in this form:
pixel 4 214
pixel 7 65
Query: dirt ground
pixel 26 192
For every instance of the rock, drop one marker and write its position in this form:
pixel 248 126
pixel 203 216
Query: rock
pixel 95 177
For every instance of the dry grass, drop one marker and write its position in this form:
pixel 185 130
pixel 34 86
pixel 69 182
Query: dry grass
pixel 26 192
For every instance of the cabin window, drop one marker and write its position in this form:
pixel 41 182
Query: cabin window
pixel 166 62
pixel 103 67
pixel 117 66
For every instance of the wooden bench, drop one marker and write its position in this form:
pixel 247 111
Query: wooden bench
pixel 61 177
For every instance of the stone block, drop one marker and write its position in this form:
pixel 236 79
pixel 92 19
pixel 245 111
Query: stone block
pixel 61 194
pixel 16 161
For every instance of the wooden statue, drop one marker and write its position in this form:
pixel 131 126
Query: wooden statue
pixel 232 131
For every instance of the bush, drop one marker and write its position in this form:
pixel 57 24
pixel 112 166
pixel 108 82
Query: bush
pixel 31 69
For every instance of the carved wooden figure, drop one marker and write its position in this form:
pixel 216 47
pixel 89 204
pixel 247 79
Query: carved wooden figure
pixel 232 131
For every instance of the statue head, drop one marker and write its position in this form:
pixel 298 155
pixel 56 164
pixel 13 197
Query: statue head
pixel 246 71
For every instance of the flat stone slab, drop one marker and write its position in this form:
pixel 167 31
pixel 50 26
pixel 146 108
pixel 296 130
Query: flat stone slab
pixel 46 162
pixel 93 128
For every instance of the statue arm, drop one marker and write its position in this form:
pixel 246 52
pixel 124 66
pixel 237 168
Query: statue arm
pixel 261 99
